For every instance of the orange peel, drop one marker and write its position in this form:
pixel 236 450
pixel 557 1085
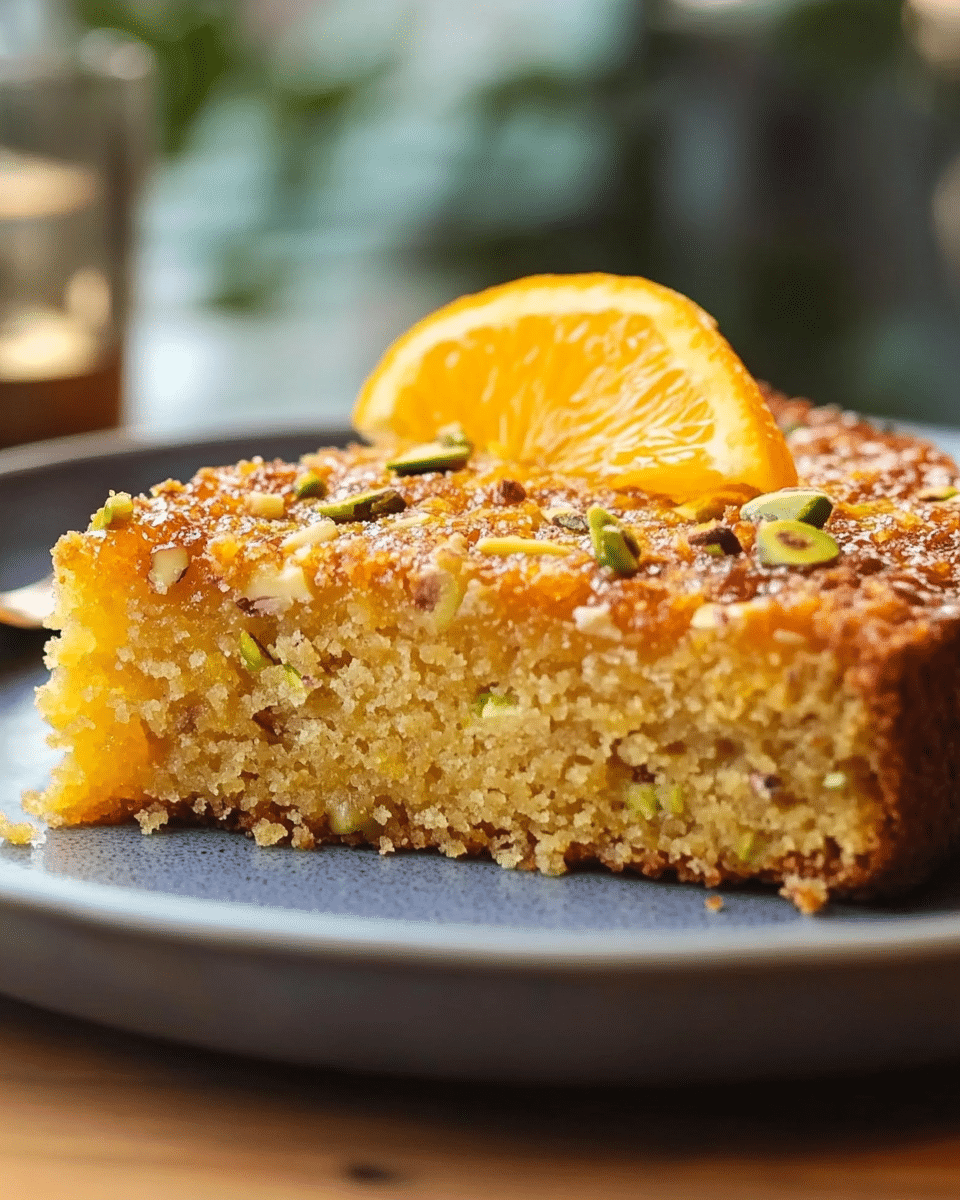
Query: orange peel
pixel 615 379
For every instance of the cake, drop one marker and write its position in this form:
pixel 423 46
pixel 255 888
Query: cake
pixel 454 648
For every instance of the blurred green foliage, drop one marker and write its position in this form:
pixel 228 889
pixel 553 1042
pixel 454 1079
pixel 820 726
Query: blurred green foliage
pixel 197 46
pixel 823 273
pixel 842 44
pixel 815 277
pixel 204 56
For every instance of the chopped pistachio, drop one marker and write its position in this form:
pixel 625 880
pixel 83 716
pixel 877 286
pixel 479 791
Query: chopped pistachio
pixel 386 502
pixel 519 545
pixel 613 546
pixel 363 506
pixel 432 457
pixel 265 504
pixel 791 543
pixel 835 781
pixel 255 658
pixel 641 800
pixel 567 518
pixel 597 519
pixel 672 799
pixel 717 540
pixel 345 819
pixel 616 552
pixel 937 493
pixel 453 435
pixel 490 704
pixel 121 507
pixel 167 566
pixel 794 504
pixel 449 589
pixel 117 510
pixel 309 484
pixel 747 846
pixel 293 675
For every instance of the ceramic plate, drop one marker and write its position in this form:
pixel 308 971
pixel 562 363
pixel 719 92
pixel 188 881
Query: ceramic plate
pixel 416 963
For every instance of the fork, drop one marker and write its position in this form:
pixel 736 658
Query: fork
pixel 27 607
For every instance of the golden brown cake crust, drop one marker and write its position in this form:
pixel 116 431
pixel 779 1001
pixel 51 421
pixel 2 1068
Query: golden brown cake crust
pixel 878 630
pixel 909 670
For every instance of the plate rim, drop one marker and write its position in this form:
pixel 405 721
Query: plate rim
pixel 808 942
pixel 128 441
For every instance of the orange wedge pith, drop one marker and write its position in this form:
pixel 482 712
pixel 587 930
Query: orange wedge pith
pixel 615 379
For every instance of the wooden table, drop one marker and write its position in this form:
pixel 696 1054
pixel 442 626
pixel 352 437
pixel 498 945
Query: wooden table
pixel 88 1114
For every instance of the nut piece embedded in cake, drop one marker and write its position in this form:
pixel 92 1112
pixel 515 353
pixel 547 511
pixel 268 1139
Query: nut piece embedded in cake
pixel 168 566
pixel 266 504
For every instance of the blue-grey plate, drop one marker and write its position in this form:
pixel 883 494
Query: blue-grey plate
pixel 416 963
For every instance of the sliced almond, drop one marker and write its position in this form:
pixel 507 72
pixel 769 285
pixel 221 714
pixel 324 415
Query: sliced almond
pixel 266 504
pixel 168 565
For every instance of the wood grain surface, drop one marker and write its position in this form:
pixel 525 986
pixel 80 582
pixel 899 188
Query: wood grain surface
pixel 88 1114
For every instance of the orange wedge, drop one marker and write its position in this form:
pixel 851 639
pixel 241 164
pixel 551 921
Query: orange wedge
pixel 614 379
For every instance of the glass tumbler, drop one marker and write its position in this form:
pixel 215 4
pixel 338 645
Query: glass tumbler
pixel 75 137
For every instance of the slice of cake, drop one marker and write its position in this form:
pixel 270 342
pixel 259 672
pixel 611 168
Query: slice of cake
pixel 485 646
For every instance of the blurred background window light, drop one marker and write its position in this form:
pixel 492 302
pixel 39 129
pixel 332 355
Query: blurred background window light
pixel 329 171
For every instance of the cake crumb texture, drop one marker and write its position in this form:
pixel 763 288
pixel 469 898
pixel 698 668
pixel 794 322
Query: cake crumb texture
pixel 19 833
pixel 309 681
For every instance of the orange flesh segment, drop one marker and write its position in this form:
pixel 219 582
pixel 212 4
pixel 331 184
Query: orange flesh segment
pixel 614 379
